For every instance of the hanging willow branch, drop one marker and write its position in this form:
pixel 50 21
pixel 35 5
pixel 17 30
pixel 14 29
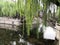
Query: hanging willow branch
pixel 31 8
pixel 58 15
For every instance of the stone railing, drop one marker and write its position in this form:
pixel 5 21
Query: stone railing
pixel 9 23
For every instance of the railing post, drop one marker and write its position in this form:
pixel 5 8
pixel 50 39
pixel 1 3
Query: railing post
pixel 12 24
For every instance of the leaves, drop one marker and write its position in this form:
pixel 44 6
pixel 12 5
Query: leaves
pixel 30 11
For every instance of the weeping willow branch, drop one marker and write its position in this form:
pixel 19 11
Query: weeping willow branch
pixel 59 16
pixel 31 8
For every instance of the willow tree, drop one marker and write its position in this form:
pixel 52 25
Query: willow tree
pixel 20 6
pixel 58 15
pixel 31 10
pixel 46 3
pixel 1 6
pixel 8 8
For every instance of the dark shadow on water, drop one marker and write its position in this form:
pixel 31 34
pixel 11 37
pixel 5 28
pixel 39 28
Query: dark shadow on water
pixel 7 37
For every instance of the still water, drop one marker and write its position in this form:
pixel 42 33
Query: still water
pixel 8 37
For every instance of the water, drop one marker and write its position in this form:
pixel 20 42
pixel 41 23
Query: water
pixel 11 38
pixel 8 37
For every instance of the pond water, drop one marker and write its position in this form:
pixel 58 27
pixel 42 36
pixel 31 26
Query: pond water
pixel 8 37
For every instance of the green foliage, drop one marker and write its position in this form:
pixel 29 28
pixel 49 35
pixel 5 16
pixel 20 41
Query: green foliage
pixel 7 8
pixel 59 1
pixel 31 8
pixel 58 15
pixel 27 8
pixel 20 6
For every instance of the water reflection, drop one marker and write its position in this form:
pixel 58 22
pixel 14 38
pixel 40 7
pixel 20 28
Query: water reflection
pixel 13 43
pixel 11 38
